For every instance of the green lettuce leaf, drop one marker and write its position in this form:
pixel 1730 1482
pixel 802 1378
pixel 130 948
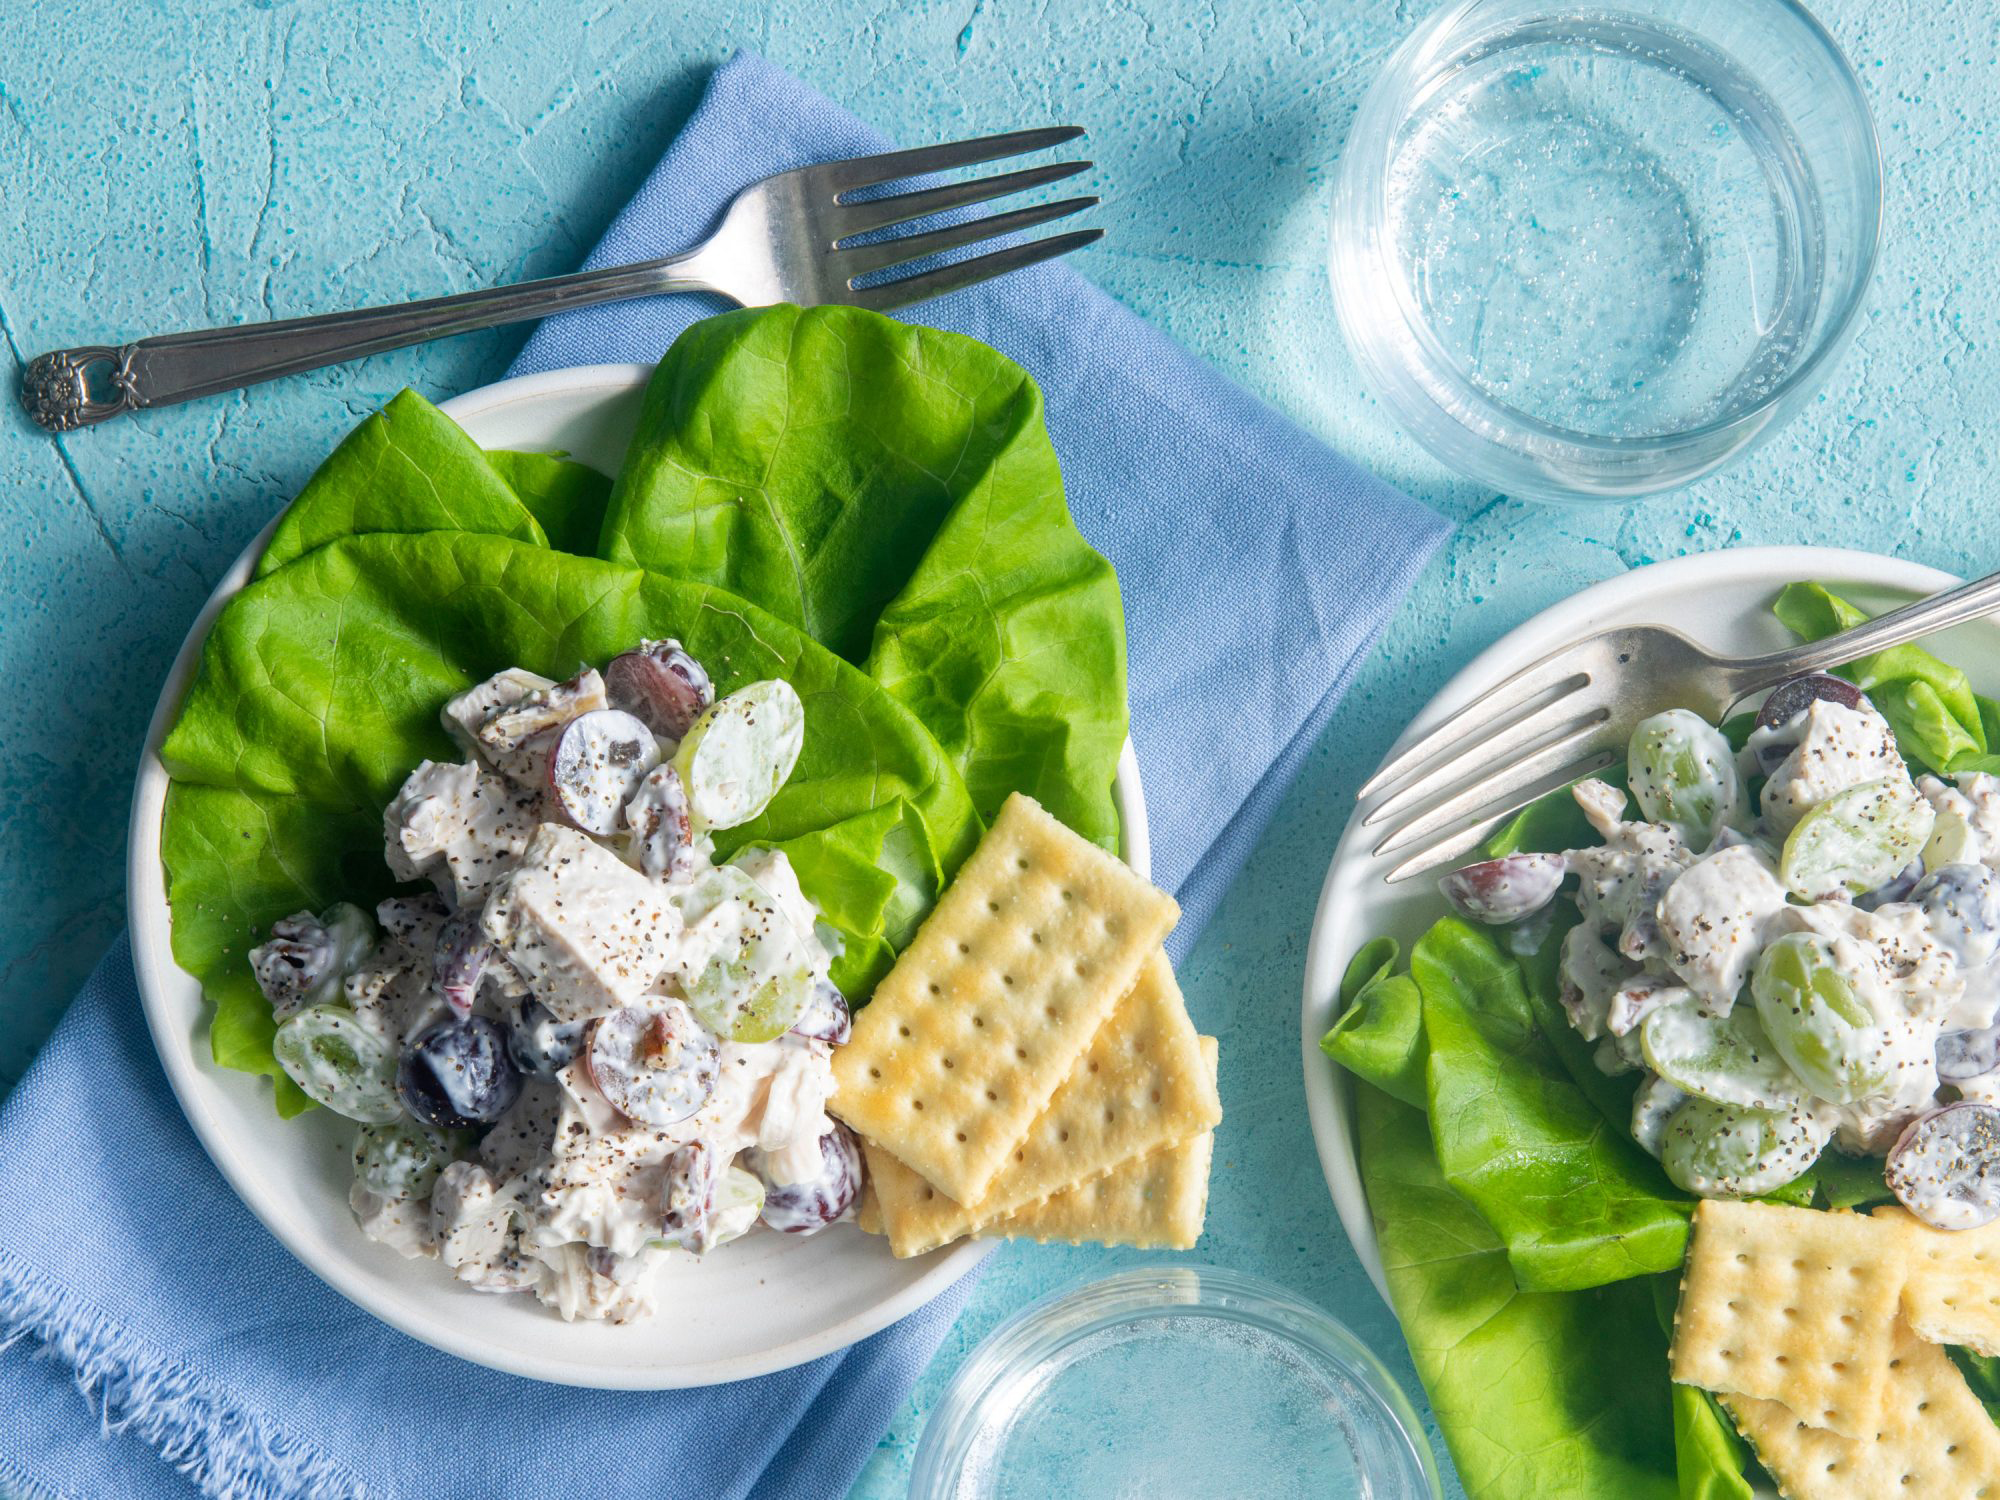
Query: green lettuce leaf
pixel 566 497
pixel 1539 1394
pixel 1380 1033
pixel 1939 721
pixel 1572 1197
pixel 319 690
pixel 891 490
pixel 408 468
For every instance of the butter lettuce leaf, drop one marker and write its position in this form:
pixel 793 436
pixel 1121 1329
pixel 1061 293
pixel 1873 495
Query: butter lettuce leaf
pixel 1380 1033
pixel 1939 721
pixel 319 691
pixel 565 497
pixel 1538 1393
pixel 892 492
pixel 407 468
pixel 1573 1198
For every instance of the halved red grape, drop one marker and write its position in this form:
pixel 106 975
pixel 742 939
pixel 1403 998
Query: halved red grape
pixel 662 825
pixel 460 959
pixel 1945 1168
pixel 598 761
pixel 662 685
pixel 1794 696
pixel 656 1067
pixel 458 1073
pixel 1498 891
pixel 826 1017
pixel 802 1207
pixel 1965 1055
pixel 304 960
pixel 688 1193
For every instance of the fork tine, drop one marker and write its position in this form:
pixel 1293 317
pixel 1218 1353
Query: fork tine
pixel 1466 835
pixel 1489 750
pixel 921 288
pixel 868 171
pixel 1496 785
pixel 1502 702
pixel 882 213
pixel 883 254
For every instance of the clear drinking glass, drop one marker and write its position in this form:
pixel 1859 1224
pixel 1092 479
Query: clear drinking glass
pixel 1173 1383
pixel 1588 251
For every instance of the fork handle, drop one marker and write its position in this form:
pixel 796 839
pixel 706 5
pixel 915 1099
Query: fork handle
pixel 1969 601
pixel 71 388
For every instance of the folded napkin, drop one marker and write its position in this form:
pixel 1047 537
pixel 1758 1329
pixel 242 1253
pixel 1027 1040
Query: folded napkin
pixel 1257 568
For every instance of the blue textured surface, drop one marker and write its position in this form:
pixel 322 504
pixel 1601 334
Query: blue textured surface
pixel 221 162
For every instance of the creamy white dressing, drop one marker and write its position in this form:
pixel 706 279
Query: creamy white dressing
pixel 1716 915
pixel 565 1196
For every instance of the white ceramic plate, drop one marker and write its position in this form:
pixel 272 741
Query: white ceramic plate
pixel 765 1303
pixel 1721 599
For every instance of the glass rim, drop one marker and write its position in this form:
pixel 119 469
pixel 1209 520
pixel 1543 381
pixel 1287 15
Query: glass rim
pixel 1072 1313
pixel 1358 245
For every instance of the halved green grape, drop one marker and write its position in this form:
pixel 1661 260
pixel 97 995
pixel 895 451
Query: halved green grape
pixel 1815 997
pixel 738 1203
pixel 1683 773
pixel 399 1159
pixel 743 964
pixel 1727 1059
pixel 340 1063
pixel 739 752
pixel 1856 840
pixel 1720 1151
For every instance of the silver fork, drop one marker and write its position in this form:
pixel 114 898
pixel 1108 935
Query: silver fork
pixel 1570 715
pixel 788 238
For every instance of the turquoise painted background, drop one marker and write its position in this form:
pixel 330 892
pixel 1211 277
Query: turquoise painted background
pixel 177 165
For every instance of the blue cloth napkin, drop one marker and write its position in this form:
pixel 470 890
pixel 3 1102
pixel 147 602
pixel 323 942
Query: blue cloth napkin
pixel 156 1341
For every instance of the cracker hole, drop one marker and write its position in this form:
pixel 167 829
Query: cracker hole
pixel 1052 1013
pixel 874 1072
pixel 1020 1156
pixel 1093 1065
pixel 991 1097
pixel 994 907
pixel 1063 1136
pixel 1008 980
pixel 1110 1115
pixel 935 990
pixel 979 1021
pixel 1790 1312
pixel 1069 895
pixel 1020 864
pixel 1156 1096
pixel 948 1062
pixel 1781 1359
pixel 1020 1054
pixel 961 1137
pixel 1035 938
pixel 929 1193
pixel 917 1105
pixel 904 1030
pixel 964 947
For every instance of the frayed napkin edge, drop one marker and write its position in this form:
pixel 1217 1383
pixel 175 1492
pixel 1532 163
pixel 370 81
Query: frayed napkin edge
pixel 136 1389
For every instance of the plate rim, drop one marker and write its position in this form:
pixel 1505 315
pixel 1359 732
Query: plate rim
pixel 188 1068
pixel 1329 1097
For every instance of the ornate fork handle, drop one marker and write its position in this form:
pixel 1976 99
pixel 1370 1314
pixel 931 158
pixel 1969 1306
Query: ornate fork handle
pixel 71 388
